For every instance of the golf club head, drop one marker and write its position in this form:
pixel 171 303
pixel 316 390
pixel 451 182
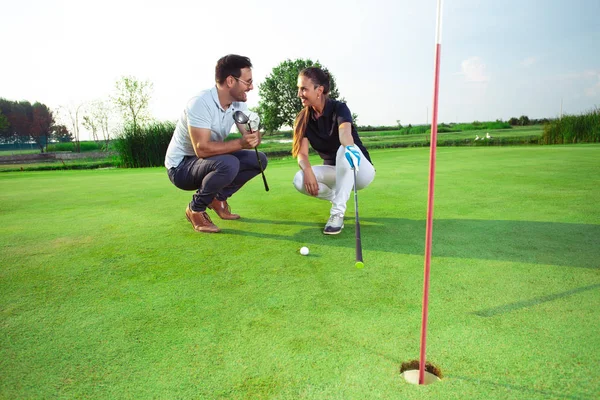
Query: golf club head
pixel 240 118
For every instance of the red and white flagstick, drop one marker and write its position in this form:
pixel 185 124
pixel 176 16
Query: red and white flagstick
pixel 428 233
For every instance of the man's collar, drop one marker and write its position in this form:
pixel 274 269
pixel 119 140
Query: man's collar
pixel 215 95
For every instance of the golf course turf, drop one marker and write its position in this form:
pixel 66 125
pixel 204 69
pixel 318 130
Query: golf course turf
pixel 106 291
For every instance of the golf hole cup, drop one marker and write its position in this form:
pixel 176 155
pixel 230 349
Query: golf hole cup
pixel 412 376
pixel 304 251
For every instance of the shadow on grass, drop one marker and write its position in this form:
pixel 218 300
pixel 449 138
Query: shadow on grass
pixel 551 243
pixel 490 312
pixel 520 388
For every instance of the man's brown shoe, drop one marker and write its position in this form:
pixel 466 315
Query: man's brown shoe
pixel 201 221
pixel 222 209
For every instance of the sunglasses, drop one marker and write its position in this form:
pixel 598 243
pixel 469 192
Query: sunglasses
pixel 244 82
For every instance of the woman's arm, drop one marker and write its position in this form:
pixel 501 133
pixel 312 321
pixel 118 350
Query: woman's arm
pixel 303 162
pixel 310 181
pixel 351 151
pixel 346 134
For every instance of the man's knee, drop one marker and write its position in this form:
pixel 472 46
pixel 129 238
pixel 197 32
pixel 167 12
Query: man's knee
pixel 263 159
pixel 228 166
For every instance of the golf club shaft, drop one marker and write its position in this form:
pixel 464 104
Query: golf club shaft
pixel 359 256
pixel 262 171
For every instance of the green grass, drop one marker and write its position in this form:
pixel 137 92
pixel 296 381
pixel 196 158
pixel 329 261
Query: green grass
pixel 514 132
pixel 149 148
pixel 107 292
pixel 19 151
pixel 394 138
pixel 442 127
pixel 110 161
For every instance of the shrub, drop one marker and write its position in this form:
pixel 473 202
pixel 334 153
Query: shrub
pixel 482 125
pixel 70 146
pixel 146 146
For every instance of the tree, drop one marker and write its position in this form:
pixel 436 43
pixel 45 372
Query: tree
pixel 513 121
pixel 20 118
pixel 523 120
pixel 90 124
pixel 132 98
pixel 72 114
pixel 279 102
pixel 99 113
pixel 3 127
pixel 61 133
pixel 5 132
pixel 41 124
pixel 20 121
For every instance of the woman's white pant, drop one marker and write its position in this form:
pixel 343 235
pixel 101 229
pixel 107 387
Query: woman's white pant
pixel 336 182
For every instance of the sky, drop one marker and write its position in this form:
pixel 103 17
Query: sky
pixel 499 59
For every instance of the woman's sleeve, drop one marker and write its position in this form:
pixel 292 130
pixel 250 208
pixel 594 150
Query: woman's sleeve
pixel 343 113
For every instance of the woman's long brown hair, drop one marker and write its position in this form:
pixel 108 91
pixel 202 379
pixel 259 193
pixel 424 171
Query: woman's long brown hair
pixel 318 78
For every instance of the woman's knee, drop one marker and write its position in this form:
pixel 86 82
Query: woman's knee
pixel 365 178
pixel 299 181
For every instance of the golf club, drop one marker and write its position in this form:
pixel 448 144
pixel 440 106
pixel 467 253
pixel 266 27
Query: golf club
pixel 243 119
pixel 359 257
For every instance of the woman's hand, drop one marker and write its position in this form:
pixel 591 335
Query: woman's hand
pixel 310 182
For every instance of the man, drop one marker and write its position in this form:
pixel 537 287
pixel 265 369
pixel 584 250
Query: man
pixel 199 159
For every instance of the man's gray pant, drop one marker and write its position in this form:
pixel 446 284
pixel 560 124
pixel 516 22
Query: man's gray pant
pixel 216 177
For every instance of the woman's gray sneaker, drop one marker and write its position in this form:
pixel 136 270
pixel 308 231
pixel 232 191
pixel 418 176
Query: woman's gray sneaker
pixel 334 225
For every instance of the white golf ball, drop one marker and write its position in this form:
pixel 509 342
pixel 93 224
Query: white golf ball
pixel 304 251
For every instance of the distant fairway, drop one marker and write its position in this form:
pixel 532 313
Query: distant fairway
pixel 107 292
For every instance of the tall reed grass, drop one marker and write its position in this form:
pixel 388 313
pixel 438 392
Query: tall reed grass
pixel 145 146
pixel 584 128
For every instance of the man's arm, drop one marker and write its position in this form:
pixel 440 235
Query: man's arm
pixel 203 147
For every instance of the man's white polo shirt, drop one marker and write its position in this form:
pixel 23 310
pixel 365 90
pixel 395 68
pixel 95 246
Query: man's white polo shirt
pixel 202 111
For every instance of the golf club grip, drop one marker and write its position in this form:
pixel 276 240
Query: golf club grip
pixel 262 171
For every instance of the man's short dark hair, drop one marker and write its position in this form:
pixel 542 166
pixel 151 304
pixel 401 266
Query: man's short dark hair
pixel 231 64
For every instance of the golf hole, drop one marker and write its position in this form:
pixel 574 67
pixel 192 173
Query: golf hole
pixel 410 372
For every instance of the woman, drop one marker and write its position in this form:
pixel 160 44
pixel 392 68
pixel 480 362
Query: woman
pixel 326 125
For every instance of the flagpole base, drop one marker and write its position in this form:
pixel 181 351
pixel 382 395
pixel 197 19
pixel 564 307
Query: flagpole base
pixel 412 376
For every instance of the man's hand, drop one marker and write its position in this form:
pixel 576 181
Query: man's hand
pixel 250 140
pixel 353 157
